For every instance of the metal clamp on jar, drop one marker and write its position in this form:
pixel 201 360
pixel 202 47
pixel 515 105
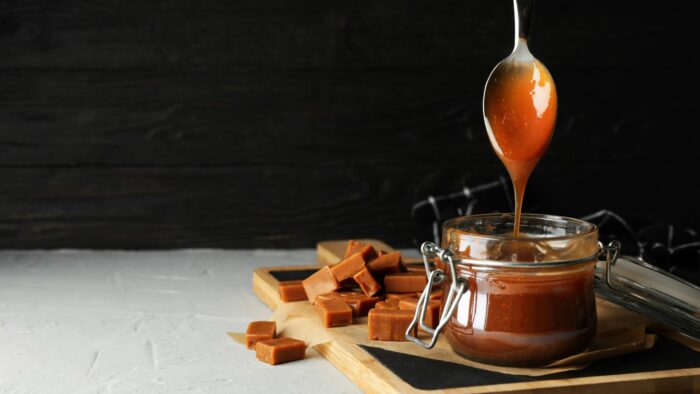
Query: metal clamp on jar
pixel 435 277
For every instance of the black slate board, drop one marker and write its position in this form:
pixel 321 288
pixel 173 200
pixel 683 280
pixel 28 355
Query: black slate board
pixel 284 276
pixel 427 374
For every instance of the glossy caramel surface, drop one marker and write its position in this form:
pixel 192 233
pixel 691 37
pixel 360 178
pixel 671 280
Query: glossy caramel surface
pixel 520 110
pixel 508 318
pixel 522 314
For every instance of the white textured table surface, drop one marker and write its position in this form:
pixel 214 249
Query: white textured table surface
pixel 142 322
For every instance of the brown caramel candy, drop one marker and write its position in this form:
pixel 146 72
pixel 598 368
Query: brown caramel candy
pixel 348 267
pixel 415 267
pixel 410 282
pixel 386 263
pixel 334 295
pixel 342 294
pixel 292 290
pixel 368 253
pixel 280 350
pixel 392 303
pixel 321 282
pixel 435 295
pixel 367 282
pixel 388 324
pixel 348 284
pixel 353 247
pixel 334 313
pixel 362 305
pixel 398 296
pixel 259 331
pixel 358 302
pixel 432 314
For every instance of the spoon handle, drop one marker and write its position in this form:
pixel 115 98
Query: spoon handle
pixel 522 10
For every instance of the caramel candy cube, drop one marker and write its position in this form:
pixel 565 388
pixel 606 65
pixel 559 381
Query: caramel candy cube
pixel 292 290
pixel 392 303
pixel 368 253
pixel 435 295
pixel 333 295
pixel 410 282
pixel 348 284
pixel 386 263
pixel 353 247
pixel 432 314
pixel 321 282
pixel 358 302
pixel 259 331
pixel 361 305
pixel 334 313
pixel 280 350
pixel 388 324
pixel 367 282
pixel 348 267
pixel 339 295
pixel 398 296
pixel 415 268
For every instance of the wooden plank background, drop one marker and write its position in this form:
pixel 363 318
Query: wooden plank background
pixel 144 124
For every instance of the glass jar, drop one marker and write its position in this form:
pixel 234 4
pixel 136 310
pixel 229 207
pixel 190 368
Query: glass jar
pixel 527 300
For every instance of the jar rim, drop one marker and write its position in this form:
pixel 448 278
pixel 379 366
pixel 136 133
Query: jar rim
pixel 529 264
pixel 454 222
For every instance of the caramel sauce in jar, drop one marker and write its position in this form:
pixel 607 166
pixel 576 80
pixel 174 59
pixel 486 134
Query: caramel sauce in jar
pixel 522 314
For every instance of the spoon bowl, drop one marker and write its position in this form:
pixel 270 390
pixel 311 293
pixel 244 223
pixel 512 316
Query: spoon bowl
pixel 520 105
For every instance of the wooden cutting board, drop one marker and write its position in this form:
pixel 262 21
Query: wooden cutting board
pixel 331 252
pixel 668 367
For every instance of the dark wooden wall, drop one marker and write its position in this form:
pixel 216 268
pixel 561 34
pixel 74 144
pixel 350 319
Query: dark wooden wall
pixel 161 124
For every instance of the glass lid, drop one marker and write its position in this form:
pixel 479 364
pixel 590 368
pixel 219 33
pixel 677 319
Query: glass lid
pixel 655 293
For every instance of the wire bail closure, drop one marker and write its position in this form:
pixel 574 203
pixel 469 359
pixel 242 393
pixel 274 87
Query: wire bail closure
pixel 643 299
pixel 611 251
pixel 458 287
